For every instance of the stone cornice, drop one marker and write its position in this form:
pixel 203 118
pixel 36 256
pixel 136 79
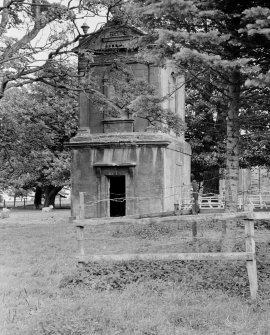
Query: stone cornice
pixel 122 140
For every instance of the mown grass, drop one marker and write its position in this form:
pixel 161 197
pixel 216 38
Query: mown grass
pixel 43 293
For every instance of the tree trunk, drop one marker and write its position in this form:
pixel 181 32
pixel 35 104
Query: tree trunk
pixel 232 162
pixel 38 197
pixel 50 194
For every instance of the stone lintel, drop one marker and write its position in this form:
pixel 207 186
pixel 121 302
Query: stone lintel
pixel 118 120
pixel 121 164
pixel 119 144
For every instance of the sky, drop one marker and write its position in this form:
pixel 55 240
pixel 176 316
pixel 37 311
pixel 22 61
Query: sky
pixel 94 23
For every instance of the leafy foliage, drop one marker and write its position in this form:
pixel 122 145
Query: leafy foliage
pixel 35 124
pixel 206 126
pixel 45 35
pixel 221 39
pixel 254 120
pixel 132 97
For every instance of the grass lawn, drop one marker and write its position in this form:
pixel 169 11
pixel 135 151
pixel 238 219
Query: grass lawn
pixel 43 292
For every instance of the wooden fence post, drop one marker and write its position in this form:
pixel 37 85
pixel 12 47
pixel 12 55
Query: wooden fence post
pixel 82 207
pixel 224 228
pixel 251 264
pixel 194 230
pixel 80 239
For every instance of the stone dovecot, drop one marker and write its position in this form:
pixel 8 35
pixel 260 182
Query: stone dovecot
pixel 119 161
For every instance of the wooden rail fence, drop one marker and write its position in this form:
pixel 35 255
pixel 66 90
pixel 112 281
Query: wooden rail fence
pixel 248 255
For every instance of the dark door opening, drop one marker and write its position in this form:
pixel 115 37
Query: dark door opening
pixel 117 195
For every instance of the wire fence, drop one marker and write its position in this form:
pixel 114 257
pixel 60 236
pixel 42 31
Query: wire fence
pixel 205 201
pixel 24 203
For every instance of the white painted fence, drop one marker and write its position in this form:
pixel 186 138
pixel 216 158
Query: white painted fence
pixel 257 201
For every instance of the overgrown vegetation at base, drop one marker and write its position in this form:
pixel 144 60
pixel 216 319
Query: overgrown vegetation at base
pixel 228 277
pixel 44 293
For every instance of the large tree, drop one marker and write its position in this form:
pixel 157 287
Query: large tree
pixel 37 36
pixel 206 130
pixel 214 36
pixel 35 124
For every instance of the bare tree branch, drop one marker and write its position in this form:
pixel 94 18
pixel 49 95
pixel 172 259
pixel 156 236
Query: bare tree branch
pixel 4 18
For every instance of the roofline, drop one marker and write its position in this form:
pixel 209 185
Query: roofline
pixel 85 39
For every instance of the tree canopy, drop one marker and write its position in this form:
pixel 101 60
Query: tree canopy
pixel 37 37
pixel 35 124
pixel 223 39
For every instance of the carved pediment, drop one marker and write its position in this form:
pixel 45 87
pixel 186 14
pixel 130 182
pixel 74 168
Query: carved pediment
pixel 110 37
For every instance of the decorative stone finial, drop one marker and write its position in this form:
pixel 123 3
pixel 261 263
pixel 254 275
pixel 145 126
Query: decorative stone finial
pixel 85 28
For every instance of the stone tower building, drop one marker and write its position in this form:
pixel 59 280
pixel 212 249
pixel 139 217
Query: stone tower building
pixel 122 166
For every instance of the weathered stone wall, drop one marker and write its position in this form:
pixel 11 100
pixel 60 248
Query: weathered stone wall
pixel 144 190
pixel 156 166
pixel 177 174
pixel 162 78
pixel 155 172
